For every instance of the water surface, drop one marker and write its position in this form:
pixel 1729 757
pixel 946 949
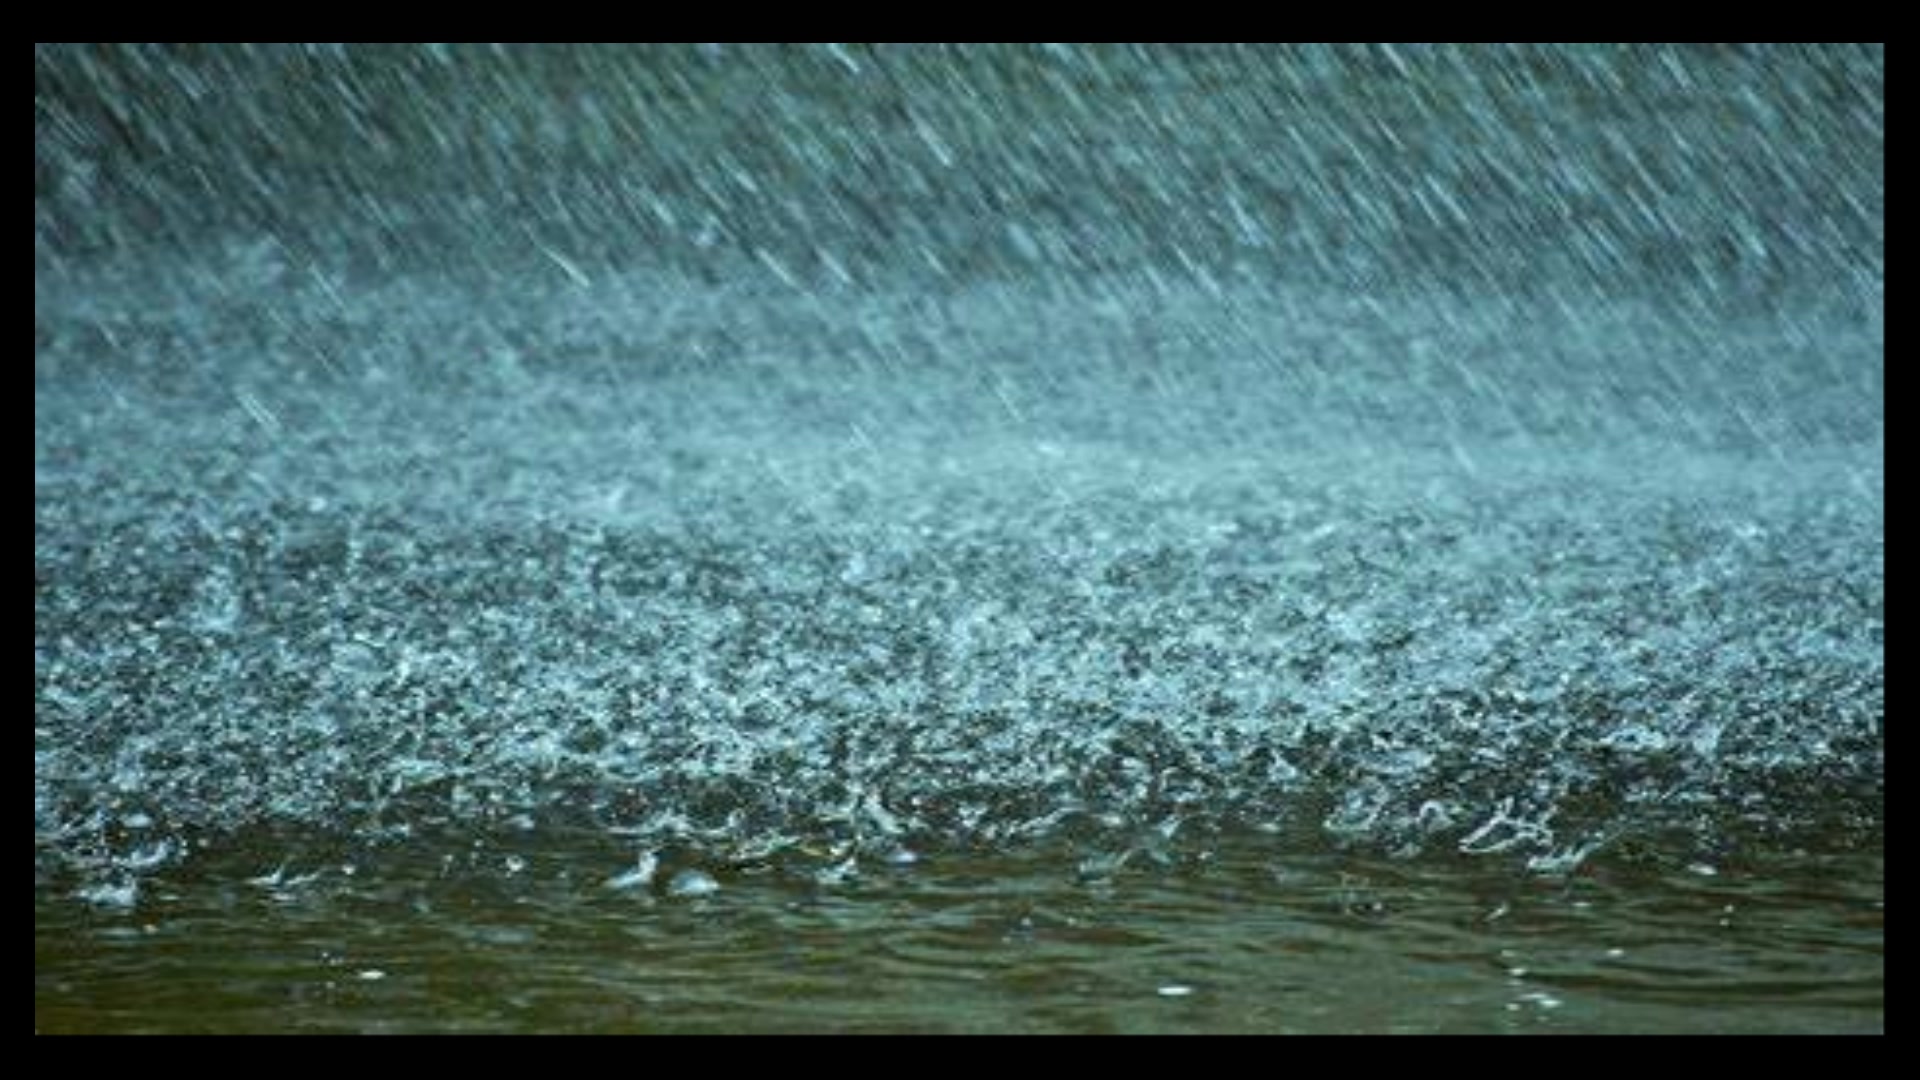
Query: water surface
pixel 1247 940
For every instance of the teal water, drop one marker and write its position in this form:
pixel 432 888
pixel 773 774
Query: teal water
pixel 460 469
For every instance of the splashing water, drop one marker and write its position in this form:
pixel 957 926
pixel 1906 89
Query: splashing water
pixel 853 451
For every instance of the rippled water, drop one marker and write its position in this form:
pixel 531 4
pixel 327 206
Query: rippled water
pixel 460 470
pixel 1248 939
pixel 1435 449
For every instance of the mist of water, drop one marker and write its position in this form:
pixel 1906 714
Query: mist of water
pixel 874 449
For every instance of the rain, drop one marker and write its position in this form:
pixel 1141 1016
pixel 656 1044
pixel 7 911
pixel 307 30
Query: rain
pixel 853 451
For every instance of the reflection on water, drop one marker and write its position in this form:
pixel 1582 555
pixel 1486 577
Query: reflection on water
pixel 1245 939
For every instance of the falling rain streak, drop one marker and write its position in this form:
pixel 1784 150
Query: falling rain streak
pixel 829 456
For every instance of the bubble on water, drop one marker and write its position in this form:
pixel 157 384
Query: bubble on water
pixel 639 876
pixel 692 884
pixel 122 895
